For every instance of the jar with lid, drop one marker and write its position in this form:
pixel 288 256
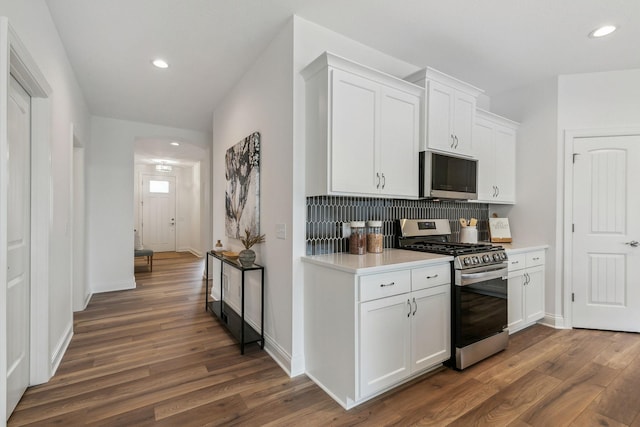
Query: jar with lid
pixel 374 236
pixel 358 238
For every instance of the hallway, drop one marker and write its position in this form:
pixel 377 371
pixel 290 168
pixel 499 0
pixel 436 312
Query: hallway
pixel 152 356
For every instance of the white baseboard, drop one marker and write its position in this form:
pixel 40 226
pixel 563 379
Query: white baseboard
pixel 278 354
pixel 195 252
pixel 113 286
pixel 554 321
pixel 61 348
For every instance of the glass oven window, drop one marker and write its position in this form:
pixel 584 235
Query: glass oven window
pixel 480 311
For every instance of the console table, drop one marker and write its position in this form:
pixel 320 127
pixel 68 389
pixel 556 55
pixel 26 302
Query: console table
pixel 235 322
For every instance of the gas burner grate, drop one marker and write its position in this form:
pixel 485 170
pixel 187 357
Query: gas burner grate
pixel 451 248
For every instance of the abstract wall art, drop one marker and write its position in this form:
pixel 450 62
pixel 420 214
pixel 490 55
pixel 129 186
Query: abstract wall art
pixel 242 195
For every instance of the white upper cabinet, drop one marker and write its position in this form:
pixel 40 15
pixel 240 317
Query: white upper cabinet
pixel 449 112
pixel 495 148
pixel 362 130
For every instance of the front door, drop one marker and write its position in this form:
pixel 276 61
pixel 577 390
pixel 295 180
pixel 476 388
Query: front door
pixel 18 244
pixel 159 213
pixel 606 217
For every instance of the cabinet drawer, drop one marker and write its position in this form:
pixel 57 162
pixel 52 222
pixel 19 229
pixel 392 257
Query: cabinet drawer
pixel 427 277
pixel 517 262
pixel 535 258
pixel 384 284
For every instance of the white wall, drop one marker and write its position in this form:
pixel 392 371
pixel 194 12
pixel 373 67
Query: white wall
pixel 32 22
pixel 533 220
pixel 599 100
pixel 269 98
pixel 81 294
pixel 262 101
pixel 590 101
pixel 605 101
pixel 110 197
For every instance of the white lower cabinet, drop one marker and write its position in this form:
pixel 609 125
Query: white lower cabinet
pixel 525 289
pixel 402 335
pixel 366 333
pixel 385 342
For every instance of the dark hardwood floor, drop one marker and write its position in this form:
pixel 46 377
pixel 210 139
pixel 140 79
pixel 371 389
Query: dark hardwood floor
pixel 152 356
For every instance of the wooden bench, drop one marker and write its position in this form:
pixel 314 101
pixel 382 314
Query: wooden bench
pixel 145 252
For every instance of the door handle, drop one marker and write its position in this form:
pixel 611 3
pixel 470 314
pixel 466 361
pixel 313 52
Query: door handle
pixel 384 181
pixel 633 244
pixel 416 306
pixel 409 304
pixel 453 141
pixel 378 176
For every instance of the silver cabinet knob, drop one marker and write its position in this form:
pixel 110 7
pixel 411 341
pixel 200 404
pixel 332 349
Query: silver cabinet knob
pixel 632 243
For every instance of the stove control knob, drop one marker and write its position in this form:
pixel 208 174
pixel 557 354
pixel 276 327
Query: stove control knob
pixel 503 256
pixel 467 261
pixel 496 257
pixel 486 258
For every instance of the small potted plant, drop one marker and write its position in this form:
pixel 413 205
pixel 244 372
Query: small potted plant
pixel 247 255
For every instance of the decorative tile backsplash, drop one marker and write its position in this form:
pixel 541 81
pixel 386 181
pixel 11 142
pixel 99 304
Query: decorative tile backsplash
pixel 326 214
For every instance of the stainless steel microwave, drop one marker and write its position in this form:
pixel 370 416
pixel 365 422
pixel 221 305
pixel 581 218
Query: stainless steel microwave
pixel 444 176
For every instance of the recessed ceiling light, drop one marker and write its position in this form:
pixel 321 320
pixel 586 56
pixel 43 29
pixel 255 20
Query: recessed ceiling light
pixel 160 63
pixel 175 143
pixel 605 30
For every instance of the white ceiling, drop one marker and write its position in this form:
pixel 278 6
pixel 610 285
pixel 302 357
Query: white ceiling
pixel 496 45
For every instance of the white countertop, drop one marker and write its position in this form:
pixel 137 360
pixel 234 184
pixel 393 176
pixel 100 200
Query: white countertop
pixel 514 248
pixel 389 259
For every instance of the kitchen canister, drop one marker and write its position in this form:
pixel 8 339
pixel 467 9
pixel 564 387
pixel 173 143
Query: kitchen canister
pixel 358 238
pixel 469 234
pixel 374 236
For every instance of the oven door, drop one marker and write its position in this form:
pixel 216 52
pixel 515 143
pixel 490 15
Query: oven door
pixel 479 303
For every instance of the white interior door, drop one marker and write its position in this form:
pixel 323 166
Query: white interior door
pixel 159 213
pixel 606 261
pixel 18 244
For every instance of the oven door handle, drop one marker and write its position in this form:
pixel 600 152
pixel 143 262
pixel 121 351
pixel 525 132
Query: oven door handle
pixel 471 278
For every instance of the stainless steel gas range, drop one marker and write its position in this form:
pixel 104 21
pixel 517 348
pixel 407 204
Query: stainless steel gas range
pixel 479 288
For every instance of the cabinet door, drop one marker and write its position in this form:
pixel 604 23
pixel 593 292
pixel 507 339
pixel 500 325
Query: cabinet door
pixel 385 357
pixel 485 153
pixel 440 100
pixel 399 143
pixel 534 294
pixel 430 327
pixel 353 133
pixel 515 301
pixel 504 141
pixel 464 110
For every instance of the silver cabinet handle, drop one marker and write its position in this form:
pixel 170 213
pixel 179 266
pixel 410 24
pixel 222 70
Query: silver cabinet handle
pixel 494 191
pixel 432 277
pixel 384 181
pixel 415 305
pixel 515 262
pixel 382 285
pixel 409 304
pixel 632 243
pixel 497 191
pixel 378 176
pixel 456 138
